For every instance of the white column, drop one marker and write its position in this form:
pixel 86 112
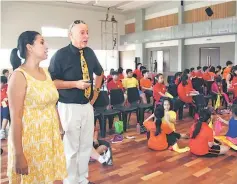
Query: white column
pixel 235 61
pixel 181 41
pixel 139 27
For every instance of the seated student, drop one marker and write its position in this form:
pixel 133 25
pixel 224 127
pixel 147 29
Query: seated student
pixel 101 150
pixel 217 89
pixel 5 115
pixel 185 92
pixel 131 82
pixel 192 73
pixel 138 71
pixel 232 125
pixel 218 70
pixel 226 71
pixel 115 83
pixel 198 73
pixel 206 74
pixel 187 72
pixel 159 88
pixel 177 78
pixel 146 85
pixel 109 77
pixel 6 73
pixel 212 73
pixel 120 73
pixel 202 138
pixel 231 81
pixel 161 136
pixel 170 115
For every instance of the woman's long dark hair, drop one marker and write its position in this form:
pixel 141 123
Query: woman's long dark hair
pixel 184 79
pixel 205 115
pixel 234 68
pixel 156 78
pixel 159 114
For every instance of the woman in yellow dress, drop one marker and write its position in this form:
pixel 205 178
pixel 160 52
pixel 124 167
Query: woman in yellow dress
pixel 35 148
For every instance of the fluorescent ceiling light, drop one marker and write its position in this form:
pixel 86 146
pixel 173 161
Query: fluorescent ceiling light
pixel 135 4
pixel 54 32
pixel 107 3
pixel 78 1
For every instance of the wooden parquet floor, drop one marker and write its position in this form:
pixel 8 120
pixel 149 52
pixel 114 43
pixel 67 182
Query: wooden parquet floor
pixel 134 163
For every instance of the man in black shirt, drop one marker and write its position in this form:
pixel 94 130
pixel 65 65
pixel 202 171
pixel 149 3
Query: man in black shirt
pixel 72 69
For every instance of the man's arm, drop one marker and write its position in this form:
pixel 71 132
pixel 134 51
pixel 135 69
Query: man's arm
pixel 99 72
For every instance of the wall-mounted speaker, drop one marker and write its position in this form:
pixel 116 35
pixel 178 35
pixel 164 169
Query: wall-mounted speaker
pixel 209 11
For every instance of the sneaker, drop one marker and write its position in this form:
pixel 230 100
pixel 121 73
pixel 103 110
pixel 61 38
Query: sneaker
pixel 117 139
pixel 108 158
pixel 3 134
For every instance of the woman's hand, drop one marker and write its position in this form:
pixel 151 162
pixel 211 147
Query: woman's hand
pixel 20 164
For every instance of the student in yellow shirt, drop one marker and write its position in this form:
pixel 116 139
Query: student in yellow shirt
pixel 131 82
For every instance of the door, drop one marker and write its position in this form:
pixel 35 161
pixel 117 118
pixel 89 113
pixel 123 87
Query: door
pixel 209 56
pixel 166 64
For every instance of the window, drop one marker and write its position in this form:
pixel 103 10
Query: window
pixel 54 32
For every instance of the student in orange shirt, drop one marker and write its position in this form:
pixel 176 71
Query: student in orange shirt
pixel 206 74
pixel 146 85
pixel 138 72
pixel 212 73
pixel 161 136
pixel 202 139
pixel 199 73
pixel 226 71
pixel 159 89
pixel 185 92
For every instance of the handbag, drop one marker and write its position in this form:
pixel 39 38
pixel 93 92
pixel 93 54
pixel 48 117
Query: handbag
pixel 118 127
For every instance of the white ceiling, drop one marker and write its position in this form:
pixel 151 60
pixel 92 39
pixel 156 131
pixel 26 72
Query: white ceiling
pixel 120 5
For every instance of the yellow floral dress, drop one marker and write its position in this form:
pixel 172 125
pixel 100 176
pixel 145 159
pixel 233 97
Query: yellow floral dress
pixel 41 140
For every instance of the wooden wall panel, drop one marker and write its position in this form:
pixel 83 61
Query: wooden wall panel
pixel 159 22
pixel 222 10
pixel 129 28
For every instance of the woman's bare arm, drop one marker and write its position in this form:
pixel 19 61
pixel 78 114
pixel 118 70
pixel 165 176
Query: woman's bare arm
pixel 16 96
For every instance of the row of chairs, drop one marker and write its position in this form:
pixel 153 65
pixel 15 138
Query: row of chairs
pixel 117 108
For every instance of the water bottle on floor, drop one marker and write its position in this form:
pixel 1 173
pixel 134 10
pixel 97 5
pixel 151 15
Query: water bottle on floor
pixel 138 128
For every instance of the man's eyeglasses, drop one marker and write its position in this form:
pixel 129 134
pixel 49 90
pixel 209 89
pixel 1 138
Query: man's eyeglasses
pixel 74 23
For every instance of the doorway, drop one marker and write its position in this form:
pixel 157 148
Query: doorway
pixel 209 56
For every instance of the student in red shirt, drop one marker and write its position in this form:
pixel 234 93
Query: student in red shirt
pixel 159 88
pixel 192 73
pixel 138 72
pixel 202 139
pixel 187 72
pixel 160 134
pixel 5 115
pixel 146 85
pixel 115 83
pixel 120 73
pixel 177 78
pixel 109 77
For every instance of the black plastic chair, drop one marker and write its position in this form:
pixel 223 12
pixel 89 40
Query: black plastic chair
pixel 117 101
pixel 134 100
pixel 100 106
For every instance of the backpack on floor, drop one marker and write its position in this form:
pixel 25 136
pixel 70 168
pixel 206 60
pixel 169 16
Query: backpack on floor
pixel 118 127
